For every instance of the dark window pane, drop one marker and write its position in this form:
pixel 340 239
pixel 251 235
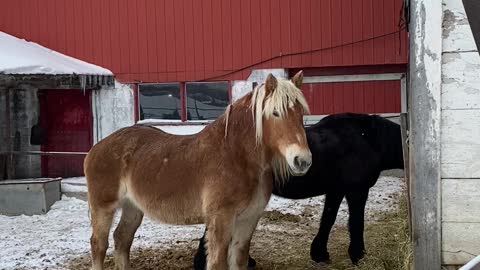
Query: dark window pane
pixel 159 101
pixel 206 101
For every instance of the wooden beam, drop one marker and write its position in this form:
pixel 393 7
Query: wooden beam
pixel 354 78
pixel 45 81
pixel 424 137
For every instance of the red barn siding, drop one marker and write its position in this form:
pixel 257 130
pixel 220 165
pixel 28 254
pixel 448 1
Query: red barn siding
pixel 357 97
pixel 188 40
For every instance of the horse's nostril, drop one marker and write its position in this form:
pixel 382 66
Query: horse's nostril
pixel 301 163
pixel 304 164
pixel 296 161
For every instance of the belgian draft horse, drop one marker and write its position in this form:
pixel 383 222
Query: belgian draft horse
pixel 348 153
pixel 221 176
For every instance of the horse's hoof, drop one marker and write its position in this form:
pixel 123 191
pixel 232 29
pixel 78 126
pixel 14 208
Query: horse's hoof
pixel 321 257
pixel 355 257
pixel 251 263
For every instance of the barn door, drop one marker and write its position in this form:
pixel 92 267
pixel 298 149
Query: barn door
pixel 66 116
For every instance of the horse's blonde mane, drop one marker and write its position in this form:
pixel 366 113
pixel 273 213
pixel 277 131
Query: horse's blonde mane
pixel 280 100
pixel 284 96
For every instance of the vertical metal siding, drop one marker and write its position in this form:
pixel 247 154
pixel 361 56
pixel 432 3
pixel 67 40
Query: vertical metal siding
pixel 357 97
pixel 187 40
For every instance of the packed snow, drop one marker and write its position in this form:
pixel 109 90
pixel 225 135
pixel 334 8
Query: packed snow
pixel 182 130
pixel 48 241
pixel 18 56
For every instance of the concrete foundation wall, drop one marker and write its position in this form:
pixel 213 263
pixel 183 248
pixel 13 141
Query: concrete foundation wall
pixel 112 109
pixel 24 113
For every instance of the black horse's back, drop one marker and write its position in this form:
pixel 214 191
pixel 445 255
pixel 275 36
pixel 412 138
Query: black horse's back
pixel 347 149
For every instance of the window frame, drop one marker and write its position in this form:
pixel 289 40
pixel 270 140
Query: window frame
pixel 161 121
pixel 185 101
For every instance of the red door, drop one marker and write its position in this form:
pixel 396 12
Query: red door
pixel 66 115
pixel 356 97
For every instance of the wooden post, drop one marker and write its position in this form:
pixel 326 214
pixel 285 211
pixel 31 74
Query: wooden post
pixel 406 163
pixel 424 137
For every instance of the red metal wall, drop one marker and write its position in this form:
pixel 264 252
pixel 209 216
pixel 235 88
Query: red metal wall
pixel 190 40
pixel 357 97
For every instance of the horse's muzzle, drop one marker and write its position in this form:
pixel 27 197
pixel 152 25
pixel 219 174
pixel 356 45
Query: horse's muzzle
pixel 302 163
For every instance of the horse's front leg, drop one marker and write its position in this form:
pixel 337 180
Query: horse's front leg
pixel 200 259
pixel 318 249
pixel 356 206
pixel 219 236
pixel 242 236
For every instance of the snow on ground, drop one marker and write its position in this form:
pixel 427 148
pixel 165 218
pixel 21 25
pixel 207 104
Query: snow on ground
pixel 380 199
pixel 74 185
pixel 48 241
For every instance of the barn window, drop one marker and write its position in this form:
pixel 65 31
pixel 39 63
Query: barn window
pixel 206 101
pixel 160 101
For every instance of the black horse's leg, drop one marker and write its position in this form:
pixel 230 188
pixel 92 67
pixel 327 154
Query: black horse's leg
pixel 200 259
pixel 356 206
pixel 318 250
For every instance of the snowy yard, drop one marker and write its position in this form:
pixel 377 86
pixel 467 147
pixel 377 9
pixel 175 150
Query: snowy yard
pixel 53 240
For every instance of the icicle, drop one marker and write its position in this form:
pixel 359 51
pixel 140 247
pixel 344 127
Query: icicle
pixel 83 82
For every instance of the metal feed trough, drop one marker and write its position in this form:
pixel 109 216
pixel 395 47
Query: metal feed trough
pixel 28 196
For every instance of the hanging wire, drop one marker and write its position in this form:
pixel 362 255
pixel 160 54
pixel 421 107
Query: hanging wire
pixel 402 26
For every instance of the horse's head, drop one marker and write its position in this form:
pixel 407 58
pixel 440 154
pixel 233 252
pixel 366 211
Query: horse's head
pixel 278 108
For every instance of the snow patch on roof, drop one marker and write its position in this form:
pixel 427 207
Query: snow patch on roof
pixel 18 56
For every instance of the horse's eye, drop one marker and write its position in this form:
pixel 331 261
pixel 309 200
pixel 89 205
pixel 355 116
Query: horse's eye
pixel 276 114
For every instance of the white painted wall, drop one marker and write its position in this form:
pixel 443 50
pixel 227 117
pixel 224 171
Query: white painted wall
pixel 460 138
pixel 112 110
pixel 240 89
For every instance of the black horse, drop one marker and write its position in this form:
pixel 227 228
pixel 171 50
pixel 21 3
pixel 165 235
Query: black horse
pixel 349 153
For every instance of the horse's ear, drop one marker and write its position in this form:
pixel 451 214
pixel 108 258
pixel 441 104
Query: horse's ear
pixel 270 84
pixel 298 79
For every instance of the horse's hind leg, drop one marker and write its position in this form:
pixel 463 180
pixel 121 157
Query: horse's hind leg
pixel 318 249
pixel 356 206
pixel 101 223
pixel 124 233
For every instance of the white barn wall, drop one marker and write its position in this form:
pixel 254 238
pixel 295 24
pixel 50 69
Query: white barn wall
pixel 460 146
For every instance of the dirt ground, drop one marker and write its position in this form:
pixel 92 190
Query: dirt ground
pixel 282 241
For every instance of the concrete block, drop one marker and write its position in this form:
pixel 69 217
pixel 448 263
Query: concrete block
pixel 28 196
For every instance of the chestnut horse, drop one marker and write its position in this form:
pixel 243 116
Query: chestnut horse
pixel 221 176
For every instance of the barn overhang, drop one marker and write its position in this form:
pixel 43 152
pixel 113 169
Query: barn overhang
pixel 25 69
pixel 24 63
pixel 62 81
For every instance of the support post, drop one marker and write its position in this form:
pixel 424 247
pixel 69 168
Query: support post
pixel 406 163
pixel 425 116
pixel 10 170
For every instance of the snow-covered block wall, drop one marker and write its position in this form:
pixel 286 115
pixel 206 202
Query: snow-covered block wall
pixel 460 137
pixel 112 109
